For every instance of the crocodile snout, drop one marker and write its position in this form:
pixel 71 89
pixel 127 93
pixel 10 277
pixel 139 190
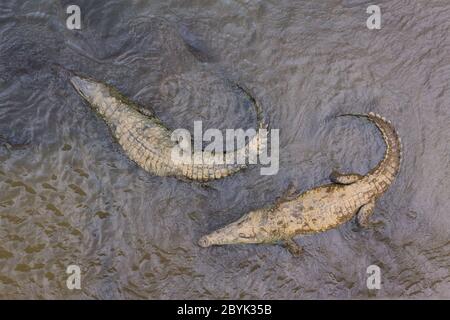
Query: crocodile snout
pixel 204 242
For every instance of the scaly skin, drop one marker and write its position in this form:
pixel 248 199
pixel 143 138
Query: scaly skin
pixel 318 209
pixel 146 140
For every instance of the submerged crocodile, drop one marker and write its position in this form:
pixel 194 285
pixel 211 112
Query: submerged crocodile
pixel 318 209
pixel 147 141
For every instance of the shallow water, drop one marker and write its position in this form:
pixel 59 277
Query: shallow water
pixel 72 197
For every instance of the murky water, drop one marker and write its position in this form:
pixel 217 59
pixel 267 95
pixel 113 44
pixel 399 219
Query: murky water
pixel 72 197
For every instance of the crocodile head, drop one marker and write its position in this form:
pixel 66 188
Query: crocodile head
pixel 251 228
pixel 94 92
pixel 84 87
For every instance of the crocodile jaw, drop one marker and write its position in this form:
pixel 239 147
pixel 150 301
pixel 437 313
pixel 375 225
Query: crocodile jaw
pixel 227 235
pixel 84 87
pixel 248 229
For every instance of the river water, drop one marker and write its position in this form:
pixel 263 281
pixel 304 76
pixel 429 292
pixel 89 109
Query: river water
pixel 71 197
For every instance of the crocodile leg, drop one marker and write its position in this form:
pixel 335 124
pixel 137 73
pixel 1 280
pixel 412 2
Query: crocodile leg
pixel 340 178
pixel 293 247
pixel 363 216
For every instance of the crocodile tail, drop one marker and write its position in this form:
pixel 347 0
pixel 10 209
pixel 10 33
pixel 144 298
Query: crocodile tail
pixel 256 145
pixel 392 140
pixel 261 122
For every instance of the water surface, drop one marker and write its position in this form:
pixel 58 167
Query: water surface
pixel 72 197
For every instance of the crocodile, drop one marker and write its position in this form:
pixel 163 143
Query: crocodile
pixel 321 208
pixel 147 141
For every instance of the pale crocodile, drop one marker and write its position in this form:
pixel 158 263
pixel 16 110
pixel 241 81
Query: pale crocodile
pixel 318 209
pixel 147 141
